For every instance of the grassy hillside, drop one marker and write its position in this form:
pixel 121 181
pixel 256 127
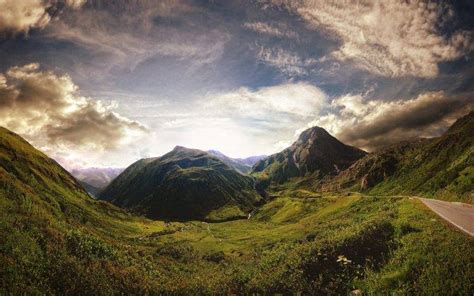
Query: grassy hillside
pixel 57 240
pixel 441 167
pixel 184 184
pixel 54 235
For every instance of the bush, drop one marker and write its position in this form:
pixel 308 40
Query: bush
pixel 88 247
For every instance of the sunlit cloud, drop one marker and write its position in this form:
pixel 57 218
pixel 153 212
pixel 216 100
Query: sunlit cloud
pixel 48 110
pixel 243 122
pixel 240 77
pixel 389 38
pixel 124 36
pixel 23 15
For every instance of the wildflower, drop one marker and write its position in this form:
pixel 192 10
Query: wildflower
pixel 343 259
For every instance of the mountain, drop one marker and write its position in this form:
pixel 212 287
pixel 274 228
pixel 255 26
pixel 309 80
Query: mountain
pixel 242 165
pixel 251 160
pixel 183 184
pixel 27 171
pixel 442 167
pixel 97 178
pixel 49 228
pixel 316 153
pixel 91 189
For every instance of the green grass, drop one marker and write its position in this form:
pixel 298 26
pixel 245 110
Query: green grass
pixel 290 244
pixel 432 258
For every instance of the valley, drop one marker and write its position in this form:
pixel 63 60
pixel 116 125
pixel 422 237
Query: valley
pixel 295 238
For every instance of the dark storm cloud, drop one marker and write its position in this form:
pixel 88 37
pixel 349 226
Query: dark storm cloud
pixel 374 124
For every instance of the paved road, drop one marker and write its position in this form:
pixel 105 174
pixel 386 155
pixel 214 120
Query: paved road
pixel 459 214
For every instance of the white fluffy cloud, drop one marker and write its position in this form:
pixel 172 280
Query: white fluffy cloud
pixel 389 38
pixel 371 124
pixel 48 110
pixel 23 15
pixel 291 99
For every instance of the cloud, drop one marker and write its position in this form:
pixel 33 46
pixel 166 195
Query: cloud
pixel 389 38
pixel 290 99
pixel 371 124
pixel 243 121
pixel 48 110
pixel 267 29
pixel 124 35
pixel 23 15
pixel 287 62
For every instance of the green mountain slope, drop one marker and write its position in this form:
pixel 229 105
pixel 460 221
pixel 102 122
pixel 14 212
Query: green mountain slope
pixel 54 236
pixel 440 167
pixel 183 184
pixel 316 153
pixel 25 170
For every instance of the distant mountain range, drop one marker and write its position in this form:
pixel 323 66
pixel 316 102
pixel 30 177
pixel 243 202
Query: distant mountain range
pixel 184 184
pixel 95 179
pixel 242 165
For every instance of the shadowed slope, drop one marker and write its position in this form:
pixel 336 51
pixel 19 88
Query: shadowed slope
pixel 183 184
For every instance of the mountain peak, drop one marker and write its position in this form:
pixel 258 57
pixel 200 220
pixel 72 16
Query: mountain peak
pixel 315 152
pixel 180 148
pixel 314 132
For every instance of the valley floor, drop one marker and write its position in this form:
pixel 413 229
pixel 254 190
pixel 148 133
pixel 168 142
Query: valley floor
pixel 299 242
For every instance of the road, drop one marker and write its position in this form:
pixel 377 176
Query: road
pixel 459 214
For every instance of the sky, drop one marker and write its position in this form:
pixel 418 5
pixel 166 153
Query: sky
pixel 96 83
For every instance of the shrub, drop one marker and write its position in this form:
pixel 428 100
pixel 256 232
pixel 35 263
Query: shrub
pixel 88 247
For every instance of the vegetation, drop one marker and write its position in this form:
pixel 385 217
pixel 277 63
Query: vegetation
pixel 184 184
pixel 441 167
